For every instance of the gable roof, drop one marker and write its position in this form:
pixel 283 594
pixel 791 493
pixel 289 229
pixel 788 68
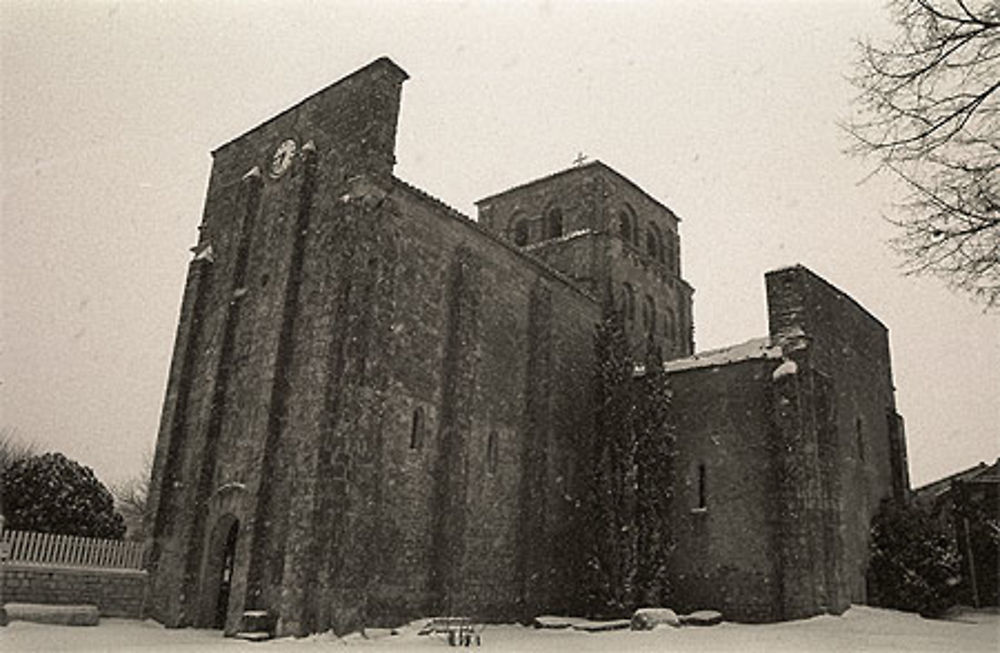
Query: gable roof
pixel 384 63
pixel 597 164
pixel 460 217
pixel 978 473
pixel 755 349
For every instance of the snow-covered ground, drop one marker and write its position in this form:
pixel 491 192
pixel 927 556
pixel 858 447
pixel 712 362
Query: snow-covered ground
pixel 860 629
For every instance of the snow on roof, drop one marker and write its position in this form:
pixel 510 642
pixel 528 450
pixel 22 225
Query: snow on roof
pixel 561 239
pixel 758 348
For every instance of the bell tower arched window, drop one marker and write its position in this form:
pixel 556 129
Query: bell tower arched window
pixel 648 314
pixel 668 251
pixel 669 325
pixel 625 226
pixel 521 232
pixel 654 242
pixel 628 301
pixel 628 227
pixel 554 223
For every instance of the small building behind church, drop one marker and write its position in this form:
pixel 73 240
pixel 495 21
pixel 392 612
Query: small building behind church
pixel 378 408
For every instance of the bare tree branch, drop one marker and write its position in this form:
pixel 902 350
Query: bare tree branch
pixel 130 500
pixel 929 113
pixel 13 448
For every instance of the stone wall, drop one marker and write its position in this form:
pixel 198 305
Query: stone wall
pixel 843 348
pixel 782 469
pixel 724 507
pixel 116 593
pixel 381 394
pixel 506 347
pixel 808 539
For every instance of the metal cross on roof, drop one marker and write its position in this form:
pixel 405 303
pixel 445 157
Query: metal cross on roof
pixel 580 159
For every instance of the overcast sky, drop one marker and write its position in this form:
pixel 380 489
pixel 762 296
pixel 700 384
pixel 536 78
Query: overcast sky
pixel 725 112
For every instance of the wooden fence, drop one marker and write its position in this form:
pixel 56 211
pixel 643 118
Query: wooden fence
pixel 48 549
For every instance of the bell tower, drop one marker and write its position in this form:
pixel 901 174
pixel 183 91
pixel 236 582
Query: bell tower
pixel 607 235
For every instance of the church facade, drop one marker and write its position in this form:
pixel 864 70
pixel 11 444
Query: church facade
pixel 376 406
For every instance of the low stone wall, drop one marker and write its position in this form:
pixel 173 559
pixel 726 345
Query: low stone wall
pixel 115 592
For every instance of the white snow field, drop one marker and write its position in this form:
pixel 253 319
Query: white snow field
pixel 859 629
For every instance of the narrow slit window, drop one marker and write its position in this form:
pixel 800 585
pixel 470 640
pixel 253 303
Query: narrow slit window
pixel 417 429
pixel 492 452
pixel 860 438
pixel 702 489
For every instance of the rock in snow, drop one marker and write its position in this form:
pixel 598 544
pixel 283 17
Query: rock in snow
pixel 553 622
pixel 601 626
pixel 63 615
pixel 702 618
pixel 785 369
pixel 650 618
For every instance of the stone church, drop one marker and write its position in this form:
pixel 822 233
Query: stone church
pixel 376 406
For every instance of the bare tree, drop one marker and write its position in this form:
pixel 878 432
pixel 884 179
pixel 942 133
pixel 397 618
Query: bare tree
pixel 929 112
pixel 130 500
pixel 13 448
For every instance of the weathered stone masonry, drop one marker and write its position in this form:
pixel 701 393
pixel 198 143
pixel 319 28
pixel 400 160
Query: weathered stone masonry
pixel 378 408
pixel 780 485
pixel 115 592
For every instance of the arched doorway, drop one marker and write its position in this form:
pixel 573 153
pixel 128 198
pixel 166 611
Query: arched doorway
pixel 226 575
pixel 217 577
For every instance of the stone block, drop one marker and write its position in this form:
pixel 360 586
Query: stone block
pixel 702 618
pixel 601 626
pixel 650 618
pixel 63 615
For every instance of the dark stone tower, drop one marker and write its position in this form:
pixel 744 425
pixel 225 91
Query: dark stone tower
pixel 372 411
pixel 609 236
pixel 839 441
pixel 242 392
